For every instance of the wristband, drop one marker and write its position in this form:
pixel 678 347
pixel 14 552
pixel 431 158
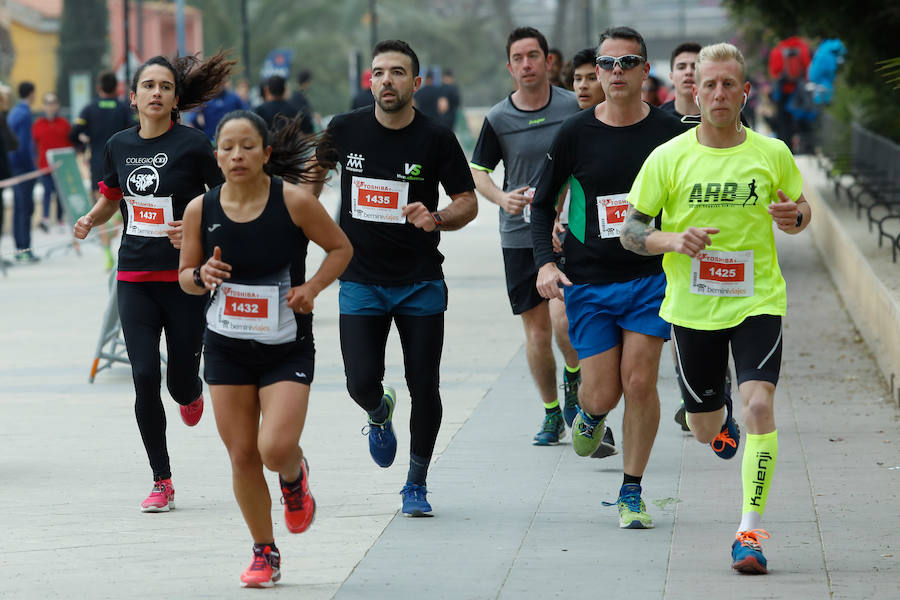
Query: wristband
pixel 438 221
pixel 198 281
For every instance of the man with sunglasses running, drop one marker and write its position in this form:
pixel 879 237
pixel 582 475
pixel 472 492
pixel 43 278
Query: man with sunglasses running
pixel 612 296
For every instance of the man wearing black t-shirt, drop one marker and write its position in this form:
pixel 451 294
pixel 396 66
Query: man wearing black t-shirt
pixel 392 158
pixel 612 296
pixel 276 106
pixel 97 122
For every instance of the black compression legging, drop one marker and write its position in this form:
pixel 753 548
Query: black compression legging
pixel 363 340
pixel 145 309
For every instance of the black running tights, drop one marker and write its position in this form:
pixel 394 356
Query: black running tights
pixel 145 310
pixel 363 340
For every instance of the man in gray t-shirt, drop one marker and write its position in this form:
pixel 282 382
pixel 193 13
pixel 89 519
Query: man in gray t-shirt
pixel 519 131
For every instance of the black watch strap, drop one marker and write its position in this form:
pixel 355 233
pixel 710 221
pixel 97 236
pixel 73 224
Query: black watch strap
pixel 197 280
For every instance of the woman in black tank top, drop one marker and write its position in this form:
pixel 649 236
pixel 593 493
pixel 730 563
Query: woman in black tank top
pixel 245 241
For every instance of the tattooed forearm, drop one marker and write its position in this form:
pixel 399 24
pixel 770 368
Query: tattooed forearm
pixel 635 231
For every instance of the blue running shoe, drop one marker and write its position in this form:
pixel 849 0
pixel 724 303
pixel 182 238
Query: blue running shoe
pixel 382 441
pixel 552 430
pixel 746 553
pixel 414 502
pixel 725 445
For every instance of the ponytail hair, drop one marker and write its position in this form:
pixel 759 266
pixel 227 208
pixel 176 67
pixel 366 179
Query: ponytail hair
pixel 296 157
pixel 196 81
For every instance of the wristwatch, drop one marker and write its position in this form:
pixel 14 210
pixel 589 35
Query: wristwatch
pixel 438 221
pixel 198 281
pixel 799 219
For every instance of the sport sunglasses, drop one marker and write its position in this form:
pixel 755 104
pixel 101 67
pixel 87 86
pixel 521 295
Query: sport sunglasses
pixel 629 61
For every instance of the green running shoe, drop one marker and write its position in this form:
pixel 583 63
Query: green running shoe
pixel 632 510
pixel 552 430
pixel 587 433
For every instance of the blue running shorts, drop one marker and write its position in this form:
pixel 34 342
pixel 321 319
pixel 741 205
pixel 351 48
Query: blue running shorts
pixel 598 313
pixel 419 299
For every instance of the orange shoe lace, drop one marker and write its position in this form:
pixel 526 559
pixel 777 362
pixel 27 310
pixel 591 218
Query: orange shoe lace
pixel 723 438
pixel 751 538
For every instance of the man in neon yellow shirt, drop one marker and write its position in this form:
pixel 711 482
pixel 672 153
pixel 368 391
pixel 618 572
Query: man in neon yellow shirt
pixel 719 188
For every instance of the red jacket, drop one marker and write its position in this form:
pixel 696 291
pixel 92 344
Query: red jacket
pixel 48 135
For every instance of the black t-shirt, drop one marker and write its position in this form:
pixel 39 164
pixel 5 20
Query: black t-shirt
pixel 427 99
pixel 598 162
pixel 691 120
pixel 417 158
pixel 100 120
pixel 178 164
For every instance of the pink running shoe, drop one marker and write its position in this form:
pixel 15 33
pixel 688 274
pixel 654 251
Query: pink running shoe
pixel 191 413
pixel 161 499
pixel 264 570
pixel 299 505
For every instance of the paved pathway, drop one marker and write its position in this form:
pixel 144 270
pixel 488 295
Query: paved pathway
pixel 513 521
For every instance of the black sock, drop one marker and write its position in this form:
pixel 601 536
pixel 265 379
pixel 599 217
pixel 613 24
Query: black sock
pixel 555 409
pixel 418 469
pixel 380 414
pixel 292 484
pixel 626 479
pixel 262 547
pixel 595 418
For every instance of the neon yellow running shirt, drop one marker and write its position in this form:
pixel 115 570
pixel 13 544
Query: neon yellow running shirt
pixel 729 188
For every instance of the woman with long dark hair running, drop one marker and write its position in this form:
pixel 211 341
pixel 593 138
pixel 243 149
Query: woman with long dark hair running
pixel 246 240
pixel 151 172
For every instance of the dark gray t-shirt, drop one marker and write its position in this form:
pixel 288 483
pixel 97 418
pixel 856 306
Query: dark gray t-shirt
pixel 521 139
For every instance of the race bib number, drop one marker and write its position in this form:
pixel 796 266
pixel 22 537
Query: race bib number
pixel 378 200
pixel 526 212
pixel 246 311
pixel 722 273
pixel 148 215
pixel 611 214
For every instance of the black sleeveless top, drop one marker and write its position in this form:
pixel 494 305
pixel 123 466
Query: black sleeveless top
pixel 269 250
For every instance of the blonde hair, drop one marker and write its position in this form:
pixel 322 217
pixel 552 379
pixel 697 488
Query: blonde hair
pixel 720 53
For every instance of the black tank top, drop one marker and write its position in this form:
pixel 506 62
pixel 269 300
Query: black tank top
pixel 259 248
pixel 261 251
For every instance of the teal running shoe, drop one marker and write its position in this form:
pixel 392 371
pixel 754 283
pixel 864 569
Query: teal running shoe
pixel 552 430
pixel 382 441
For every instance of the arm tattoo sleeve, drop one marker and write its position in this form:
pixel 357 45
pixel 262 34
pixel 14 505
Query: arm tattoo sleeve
pixel 635 231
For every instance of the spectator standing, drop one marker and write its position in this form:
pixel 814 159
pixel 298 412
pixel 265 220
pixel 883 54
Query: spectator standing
pixel 21 161
pixel 449 100
pixel 208 116
pixel 364 96
pixel 50 131
pixel 427 96
pixel 301 101
pixel 8 143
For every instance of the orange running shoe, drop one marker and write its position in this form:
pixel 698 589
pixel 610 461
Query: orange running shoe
pixel 192 412
pixel 161 499
pixel 264 569
pixel 299 505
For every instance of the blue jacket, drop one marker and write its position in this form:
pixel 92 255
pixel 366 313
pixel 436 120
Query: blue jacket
pixel 19 120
